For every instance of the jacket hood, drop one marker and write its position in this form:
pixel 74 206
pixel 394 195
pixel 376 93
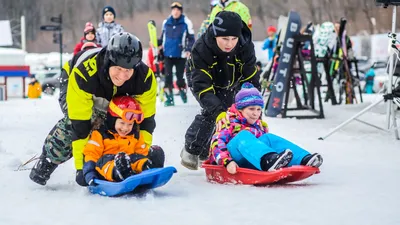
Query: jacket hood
pixel 236 116
pixel 225 4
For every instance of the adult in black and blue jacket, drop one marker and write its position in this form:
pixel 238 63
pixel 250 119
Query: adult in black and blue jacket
pixel 177 41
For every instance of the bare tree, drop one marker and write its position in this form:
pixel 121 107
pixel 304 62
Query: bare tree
pixel 368 12
pixel 313 7
pixel 77 12
pixel 97 6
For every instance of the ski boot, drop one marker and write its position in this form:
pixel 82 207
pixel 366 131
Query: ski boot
pixel 122 166
pixel 273 161
pixel 314 160
pixel 169 101
pixel 182 93
pixel 42 170
pixel 189 161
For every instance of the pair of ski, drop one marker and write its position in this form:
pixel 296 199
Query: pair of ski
pixel 327 39
pixel 151 26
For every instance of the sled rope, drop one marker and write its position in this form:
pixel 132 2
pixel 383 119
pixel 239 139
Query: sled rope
pixel 21 167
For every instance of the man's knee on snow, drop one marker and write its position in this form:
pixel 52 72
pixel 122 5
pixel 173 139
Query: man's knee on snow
pixel 57 146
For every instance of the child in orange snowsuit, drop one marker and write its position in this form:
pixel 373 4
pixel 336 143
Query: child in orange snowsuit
pixel 117 150
pixel 34 88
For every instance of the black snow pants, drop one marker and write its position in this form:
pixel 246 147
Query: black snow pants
pixel 198 135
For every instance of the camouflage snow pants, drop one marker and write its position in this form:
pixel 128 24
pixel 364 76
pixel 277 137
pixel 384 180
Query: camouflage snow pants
pixel 58 144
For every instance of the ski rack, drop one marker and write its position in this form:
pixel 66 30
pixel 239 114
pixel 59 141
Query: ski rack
pixel 390 98
pixel 326 61
pixel 331 95
pixel 309 88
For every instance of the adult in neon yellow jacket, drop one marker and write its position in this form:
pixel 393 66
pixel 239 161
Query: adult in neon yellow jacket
pixel 204 25
pixel 234 6
pixel 88 82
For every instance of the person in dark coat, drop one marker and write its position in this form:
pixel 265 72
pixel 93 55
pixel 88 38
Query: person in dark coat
pixel 222 59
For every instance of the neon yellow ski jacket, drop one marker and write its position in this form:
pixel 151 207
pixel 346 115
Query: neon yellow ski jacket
pixel 234 6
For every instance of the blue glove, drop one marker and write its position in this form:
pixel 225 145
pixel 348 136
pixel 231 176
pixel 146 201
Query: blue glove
pixel 89 171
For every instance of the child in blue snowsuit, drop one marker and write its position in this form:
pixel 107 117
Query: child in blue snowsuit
pixel 270 42
pixel 246 142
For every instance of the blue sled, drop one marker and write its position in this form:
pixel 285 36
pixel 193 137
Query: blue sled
pixel 148 179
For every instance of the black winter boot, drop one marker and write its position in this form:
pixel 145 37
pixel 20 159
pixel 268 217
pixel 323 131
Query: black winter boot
pixel 42 170
pixel 314 160
pixel 156 156
pixel 273 161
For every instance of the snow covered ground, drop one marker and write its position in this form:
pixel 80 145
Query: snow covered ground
pixel 358 184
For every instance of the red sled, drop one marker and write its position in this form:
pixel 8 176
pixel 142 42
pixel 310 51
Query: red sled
pixel 219 174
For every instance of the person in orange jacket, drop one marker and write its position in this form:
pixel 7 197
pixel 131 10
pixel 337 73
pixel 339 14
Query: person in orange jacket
pixel 116 150
pixel 34 88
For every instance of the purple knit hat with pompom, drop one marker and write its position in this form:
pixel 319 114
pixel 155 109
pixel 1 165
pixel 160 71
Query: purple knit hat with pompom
pixel 248 96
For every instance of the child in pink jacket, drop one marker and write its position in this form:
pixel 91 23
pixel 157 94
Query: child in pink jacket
pixel 245 141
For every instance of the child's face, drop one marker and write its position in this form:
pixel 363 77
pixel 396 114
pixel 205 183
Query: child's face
pixel 89 36
pixel 227 43
pixel 108 17
pixel 251 113
pixel 123 128
pixel 270 34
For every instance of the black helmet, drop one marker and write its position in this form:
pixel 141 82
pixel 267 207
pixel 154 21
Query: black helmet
pixel 124 50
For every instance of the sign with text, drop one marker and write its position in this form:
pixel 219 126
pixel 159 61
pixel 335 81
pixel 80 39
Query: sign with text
pixel 284 67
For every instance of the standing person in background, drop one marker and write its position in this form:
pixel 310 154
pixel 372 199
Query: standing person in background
pixel 234 6
pixel 34 88
pixel 151 60
pixel 206 22
pixel 177 41
pixel 270 42
pixel 108 27
pixel 89 35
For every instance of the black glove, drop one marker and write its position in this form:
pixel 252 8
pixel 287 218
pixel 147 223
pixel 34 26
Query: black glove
pixel 156 156
pixel 80 178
